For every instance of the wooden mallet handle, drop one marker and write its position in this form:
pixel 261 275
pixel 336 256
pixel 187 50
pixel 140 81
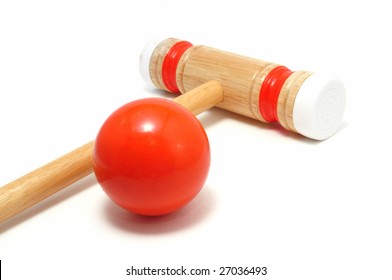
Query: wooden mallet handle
pixel 41 183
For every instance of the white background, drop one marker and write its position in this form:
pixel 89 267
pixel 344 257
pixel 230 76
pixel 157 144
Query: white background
pixel 306 209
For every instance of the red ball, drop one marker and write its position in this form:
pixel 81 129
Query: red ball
pixel 151 156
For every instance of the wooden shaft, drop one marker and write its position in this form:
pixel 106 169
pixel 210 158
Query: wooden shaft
pixel 41 183
pixel 45 181
pixel 241 79
pixel 202 98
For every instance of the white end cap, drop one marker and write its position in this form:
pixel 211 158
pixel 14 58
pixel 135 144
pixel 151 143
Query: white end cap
pixel 145 57
pixel 319 107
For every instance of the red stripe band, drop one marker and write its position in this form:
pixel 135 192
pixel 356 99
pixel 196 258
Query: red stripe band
pixel 269 92
pixel 170 63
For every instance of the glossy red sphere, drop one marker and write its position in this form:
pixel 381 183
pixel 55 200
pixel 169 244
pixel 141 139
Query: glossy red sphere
pixel 151 156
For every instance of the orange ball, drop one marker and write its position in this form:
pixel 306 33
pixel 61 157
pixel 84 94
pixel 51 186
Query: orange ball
pixel 151 156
